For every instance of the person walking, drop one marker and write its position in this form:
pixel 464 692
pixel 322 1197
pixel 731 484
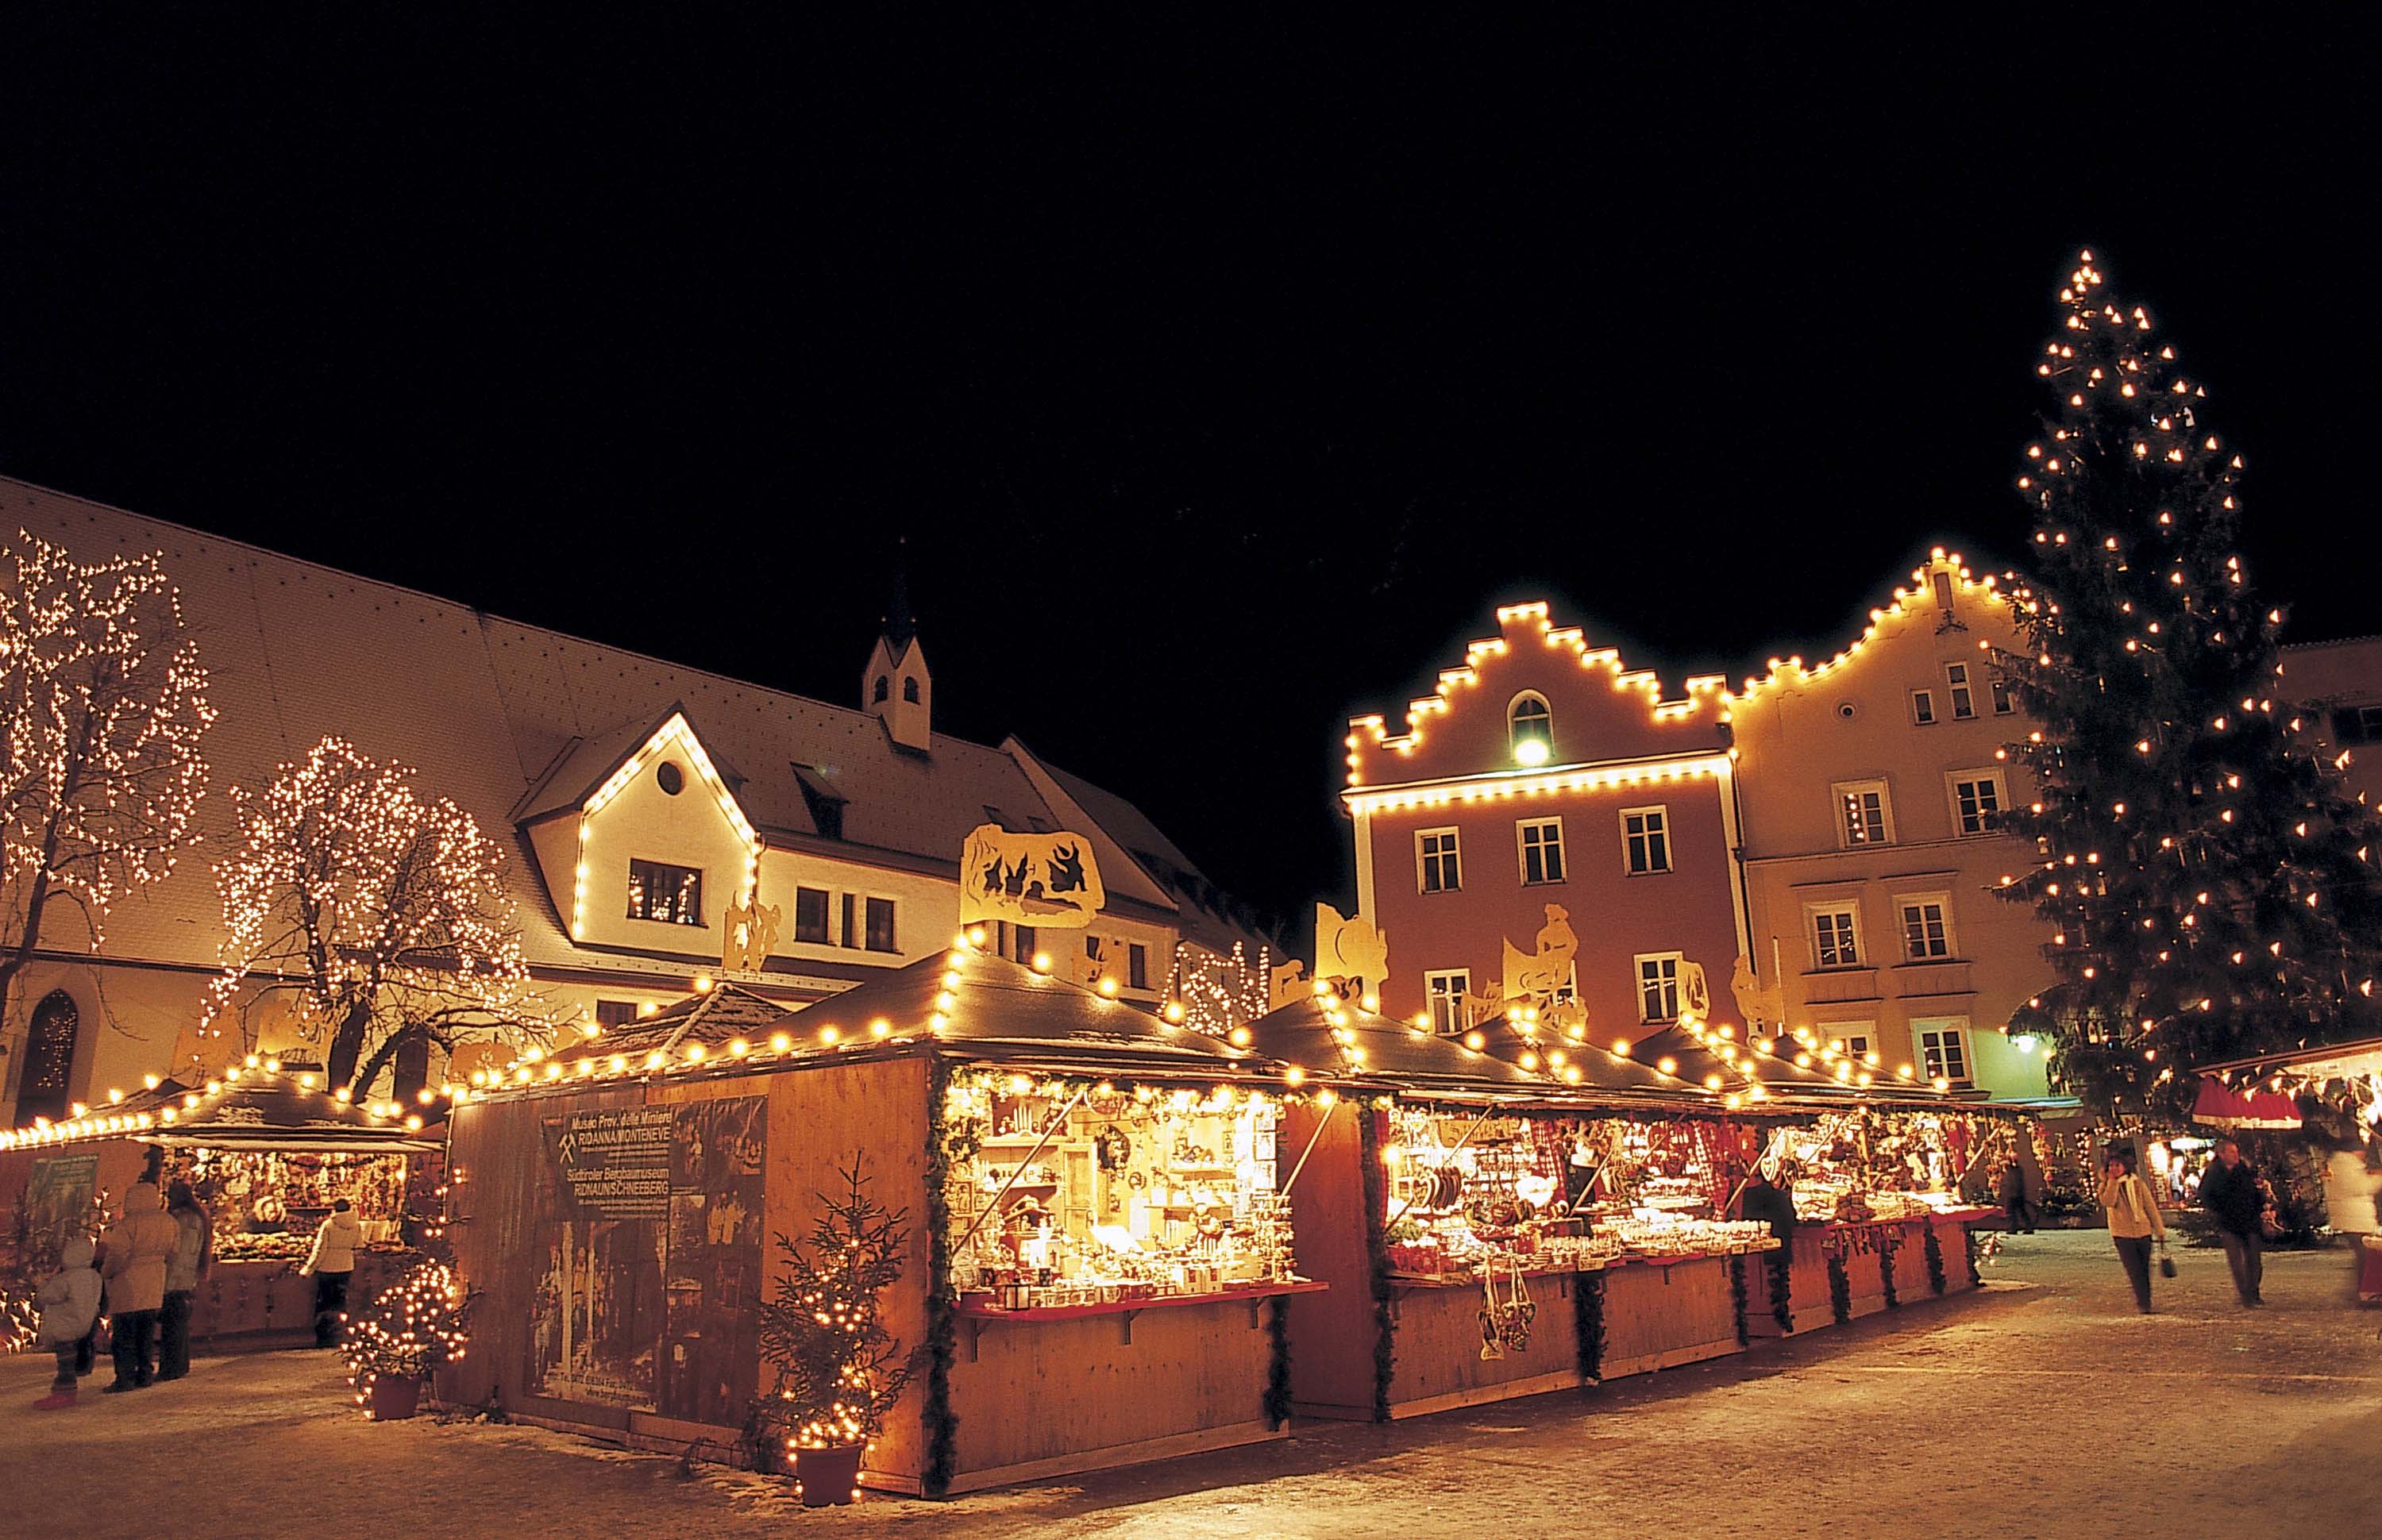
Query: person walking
pixel 2233 1198
pixel 333 1260
pixel 2351 1185
pixel 194 1253
pixel 69 1300
pixel 2018 1198
pixel 2134 1221
pixel 138 1246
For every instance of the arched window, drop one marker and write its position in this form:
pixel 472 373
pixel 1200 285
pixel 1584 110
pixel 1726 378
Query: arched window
pixel 878 695
pixel 1530 729
pixel 49 1058
pixel 910 688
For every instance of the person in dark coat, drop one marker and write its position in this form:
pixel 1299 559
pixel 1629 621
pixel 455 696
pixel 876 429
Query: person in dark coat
pixel 2230 1194
pixel 2017 1202
pixel 1763 1200
pixel 185 1270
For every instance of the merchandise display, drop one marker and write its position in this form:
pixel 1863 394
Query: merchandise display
pixel 266 1204
pixel 1863 1164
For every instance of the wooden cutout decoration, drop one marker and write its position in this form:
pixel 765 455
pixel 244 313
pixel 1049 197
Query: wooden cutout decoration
pixel 1695 990
pixel 747 932
pixel 1755 1000
pixel 1287 984
pixel 1029 879
pixel 1537 975
pixel 1349 948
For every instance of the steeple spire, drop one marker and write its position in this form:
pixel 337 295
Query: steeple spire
pixel 900 625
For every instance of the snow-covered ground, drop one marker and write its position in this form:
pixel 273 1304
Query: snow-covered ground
pixel 2044 1406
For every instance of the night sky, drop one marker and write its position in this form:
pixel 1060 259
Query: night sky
pixel 1219 381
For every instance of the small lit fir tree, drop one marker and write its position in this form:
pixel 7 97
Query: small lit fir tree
pixel 839 1371
pixel 2210 887
pixel 415 1327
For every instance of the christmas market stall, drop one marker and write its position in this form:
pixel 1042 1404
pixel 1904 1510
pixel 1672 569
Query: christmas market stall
pixel 266 1150
pixel 1086 1258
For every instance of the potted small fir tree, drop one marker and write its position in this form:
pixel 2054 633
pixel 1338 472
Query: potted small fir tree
pixel 415 1327
pixel 839 1371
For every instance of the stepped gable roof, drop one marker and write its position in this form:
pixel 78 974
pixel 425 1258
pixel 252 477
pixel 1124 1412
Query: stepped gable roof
pixel 1324 1034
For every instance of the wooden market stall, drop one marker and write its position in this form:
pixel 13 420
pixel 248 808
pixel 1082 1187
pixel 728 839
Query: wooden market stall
pixel 1098 1267
pixel 266 1150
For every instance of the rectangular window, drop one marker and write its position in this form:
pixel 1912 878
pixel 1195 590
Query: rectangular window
pixel 1945 1050
pixel 1136 966
pixel 1541 840
pixel 1976 801
pixel 615 1013
pixel 671 894
pixel 1923 706
pixel 810 915
pixel 1863 814
pixel 1856 1043
pixel 851 932
pixel 1645 840
pixel 2356 724
pixel 880 925
pixel 1024 942
pixel 1835 936
pixel 1964 700
pixel 1926 930
pixel 2003 704
pixel 1658 986
pixel 1445 990
pixel 1436 870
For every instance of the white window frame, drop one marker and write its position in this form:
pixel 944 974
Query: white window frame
pixel 1544 729
pixel 1843 791
pixel 1906 902
pixel 1522 851
pixel 1848 910
pixel 1923 709
pixel 1638 981
pixel 1453 855
pixel 1994 778
pixel 1953 1030
pixel 1960 692
pixel 1844 1035
pixel 1443 991
pixel 1661 813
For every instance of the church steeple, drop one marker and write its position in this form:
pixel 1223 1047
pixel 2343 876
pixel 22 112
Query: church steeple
pixel 896 687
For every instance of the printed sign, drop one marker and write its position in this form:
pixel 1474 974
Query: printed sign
pixel 616 1165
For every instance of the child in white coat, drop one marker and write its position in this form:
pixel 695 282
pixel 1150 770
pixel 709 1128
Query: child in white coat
pixel 69 1300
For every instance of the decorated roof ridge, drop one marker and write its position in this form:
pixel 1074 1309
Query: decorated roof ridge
pixel 1697 687
pixel 713 1014
pixel 163 1106
pixel 1987 589
pixel 1573 1060
pixel 1378 1048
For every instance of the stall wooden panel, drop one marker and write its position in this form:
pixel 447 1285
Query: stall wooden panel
pixel 1333 1333
pixel 1808 1280
pixel 1952 1241
pixel 1439 1362
pixel 1659 1317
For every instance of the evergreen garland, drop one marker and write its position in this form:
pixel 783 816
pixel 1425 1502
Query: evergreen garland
pixel 1377 1248
pixel 1886 1272
pixel 942 1316
pixel 1781 1290
pixel 1588 1324
pixel 1934 1260
pixel 1277 1391
pixel 1737 1300
pixel 1840 1290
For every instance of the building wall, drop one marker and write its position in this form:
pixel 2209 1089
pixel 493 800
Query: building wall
pixel 2342 682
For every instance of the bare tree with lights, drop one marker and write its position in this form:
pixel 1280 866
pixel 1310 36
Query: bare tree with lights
pixel 2211 887
pixel 378 912
pixel 106 707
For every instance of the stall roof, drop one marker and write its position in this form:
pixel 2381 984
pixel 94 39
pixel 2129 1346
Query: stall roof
pixel 2320 1061
pixel 1324 1034
pixel 259 1106
pixel 1700 1055
pixel 715 1018
pixel 1578 1065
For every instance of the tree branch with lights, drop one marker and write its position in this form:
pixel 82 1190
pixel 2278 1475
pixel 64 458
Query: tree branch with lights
pixel 105 706
pixel 2209 885
pixel 377 913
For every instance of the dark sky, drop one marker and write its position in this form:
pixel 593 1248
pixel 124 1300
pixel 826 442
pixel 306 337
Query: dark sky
pixel 1220 380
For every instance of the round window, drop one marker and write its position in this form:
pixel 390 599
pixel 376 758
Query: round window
pixel 671 778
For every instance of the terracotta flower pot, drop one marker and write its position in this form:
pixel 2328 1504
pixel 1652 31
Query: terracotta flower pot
pixel 395 1398
pixel 828 1477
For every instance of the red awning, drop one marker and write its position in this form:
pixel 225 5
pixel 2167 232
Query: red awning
pixel 2219 1105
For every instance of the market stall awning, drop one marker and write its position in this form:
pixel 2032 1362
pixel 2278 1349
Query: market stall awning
pixel 2351 1060
pixel 2219 1105
pixel 268 1106
pixel 1574 1062
pixel 1324 1034
pixel 1715 1058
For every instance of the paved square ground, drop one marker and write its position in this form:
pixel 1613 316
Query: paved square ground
pixel 2041 1407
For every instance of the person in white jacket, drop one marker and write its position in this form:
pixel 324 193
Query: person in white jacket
pixel 2351 1182
pixel 69 1300
pixel 334 1258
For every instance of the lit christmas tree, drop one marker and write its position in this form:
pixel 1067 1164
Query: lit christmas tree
pixel 2210 887
pixel 838 1370
pixel 415 1327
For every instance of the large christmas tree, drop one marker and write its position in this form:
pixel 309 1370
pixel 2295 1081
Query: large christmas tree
pixel 2210 886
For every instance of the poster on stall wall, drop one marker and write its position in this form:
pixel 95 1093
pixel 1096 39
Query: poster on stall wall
pixel 651 1227
pixel 57 1207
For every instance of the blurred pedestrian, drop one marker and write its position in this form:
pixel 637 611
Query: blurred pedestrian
pixel 2231 1193
pixel 2018 1198
pixel 138 1246
pixel 2351 1184
pixel 194 1253
pixel 69 1300
pixel 334 1258
pixel 2134 1221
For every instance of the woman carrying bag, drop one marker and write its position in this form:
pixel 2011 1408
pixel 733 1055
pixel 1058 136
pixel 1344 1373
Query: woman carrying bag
pixel 2134 1223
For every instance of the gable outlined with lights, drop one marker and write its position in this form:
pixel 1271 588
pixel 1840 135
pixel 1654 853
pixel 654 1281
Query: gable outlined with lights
pixel 651 857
